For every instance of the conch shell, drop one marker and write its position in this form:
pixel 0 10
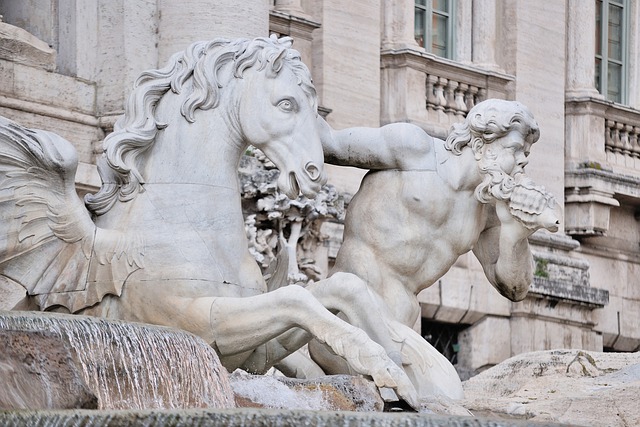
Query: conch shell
pixel 534 206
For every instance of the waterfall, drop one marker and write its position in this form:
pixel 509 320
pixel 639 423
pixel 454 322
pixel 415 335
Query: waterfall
pixel 135 366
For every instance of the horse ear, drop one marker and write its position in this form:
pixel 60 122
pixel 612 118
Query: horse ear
pixel 278 62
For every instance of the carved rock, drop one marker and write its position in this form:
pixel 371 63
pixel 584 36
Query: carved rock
pixel 329 393
pixel 54 361
pixel 564 386
pixel 38 371
pixel 18 45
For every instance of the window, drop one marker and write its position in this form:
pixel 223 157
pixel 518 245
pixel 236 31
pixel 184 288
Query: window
pixel 434 26
pixel 611 49
pixel 443 337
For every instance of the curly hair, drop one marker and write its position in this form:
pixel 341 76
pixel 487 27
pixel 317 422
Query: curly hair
pixel 490 120
pixel 486 122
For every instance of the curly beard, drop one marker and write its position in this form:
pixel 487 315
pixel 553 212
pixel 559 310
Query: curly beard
pixel 496 183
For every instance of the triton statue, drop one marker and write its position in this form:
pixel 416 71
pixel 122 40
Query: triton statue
pixel 406 226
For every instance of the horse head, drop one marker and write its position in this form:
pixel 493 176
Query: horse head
pixel 277 113
pixel 260 91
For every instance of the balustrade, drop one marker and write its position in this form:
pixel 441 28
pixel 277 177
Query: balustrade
pixel 622 144
pixel 434 92
pixel 452 97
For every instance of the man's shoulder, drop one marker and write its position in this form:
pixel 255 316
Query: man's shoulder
pixel 420 154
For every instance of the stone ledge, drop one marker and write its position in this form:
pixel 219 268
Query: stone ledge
pixel 424 61
pixel 47 88
pixel 593 297
pixel 18 45
pixel 616 183
pixel 293 25
pixel 553 241
pixel 251 417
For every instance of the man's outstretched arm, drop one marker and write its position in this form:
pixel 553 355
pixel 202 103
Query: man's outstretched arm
pixel 400 146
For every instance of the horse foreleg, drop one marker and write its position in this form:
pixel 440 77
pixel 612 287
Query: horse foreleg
pixel 346 293
pixel 239 327
pixel 243 324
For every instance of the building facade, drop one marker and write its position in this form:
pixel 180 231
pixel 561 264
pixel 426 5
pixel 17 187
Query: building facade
pixel 67 66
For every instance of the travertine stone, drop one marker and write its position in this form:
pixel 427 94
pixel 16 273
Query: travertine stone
pixel 251 417
pixel 485 34
pixel 38 18
pixel 544 24
pixel 463 39
pixel 581 45
pixel 50 89
pixel 537 45
pixel 468 193
pixel 55 361
pixel 347 74
pixel 327 393
pixel 397 28
pixel 475 354
pixel 37 371
pixel 180 24
pixel 19 46
pixel 565 386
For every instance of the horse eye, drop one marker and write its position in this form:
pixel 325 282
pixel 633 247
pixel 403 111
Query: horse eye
pixel 286 105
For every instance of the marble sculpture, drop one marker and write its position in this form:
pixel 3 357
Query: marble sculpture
pixel 163 240
pixel 166 243
pixel 444 199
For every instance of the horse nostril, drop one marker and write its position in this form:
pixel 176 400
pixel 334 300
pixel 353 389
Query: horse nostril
pixel 313 171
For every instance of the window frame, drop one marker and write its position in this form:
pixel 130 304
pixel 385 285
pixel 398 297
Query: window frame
pixel 603 82
pixel 429 12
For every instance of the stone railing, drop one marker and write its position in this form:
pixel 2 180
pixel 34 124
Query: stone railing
pixel 594 124
pixel 452 97
pixel 434 92
pixel 622 141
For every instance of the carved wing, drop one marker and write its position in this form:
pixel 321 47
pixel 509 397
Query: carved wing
pixel 48 242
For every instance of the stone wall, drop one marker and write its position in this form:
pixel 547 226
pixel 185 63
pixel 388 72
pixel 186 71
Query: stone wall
pixel 72 63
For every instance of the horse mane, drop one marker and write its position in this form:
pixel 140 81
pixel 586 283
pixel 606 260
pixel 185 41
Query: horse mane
pixel 136 131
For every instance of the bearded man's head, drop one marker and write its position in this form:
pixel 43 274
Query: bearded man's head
pixel 487 121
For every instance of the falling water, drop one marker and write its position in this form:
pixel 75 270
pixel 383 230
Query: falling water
pixel 136 366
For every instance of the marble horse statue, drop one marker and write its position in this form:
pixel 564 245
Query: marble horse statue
pixel 163 240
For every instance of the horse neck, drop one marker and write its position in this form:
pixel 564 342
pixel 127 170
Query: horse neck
pixel 188 164
pixel 206 152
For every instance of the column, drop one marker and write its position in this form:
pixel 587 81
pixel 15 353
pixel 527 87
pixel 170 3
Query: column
pixel 581 48
pixel 462 31
pixel 397 25
pixel 291 7
pixel 184 22
pixel 484 35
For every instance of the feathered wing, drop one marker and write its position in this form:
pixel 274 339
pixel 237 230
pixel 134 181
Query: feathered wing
pixel 48 242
